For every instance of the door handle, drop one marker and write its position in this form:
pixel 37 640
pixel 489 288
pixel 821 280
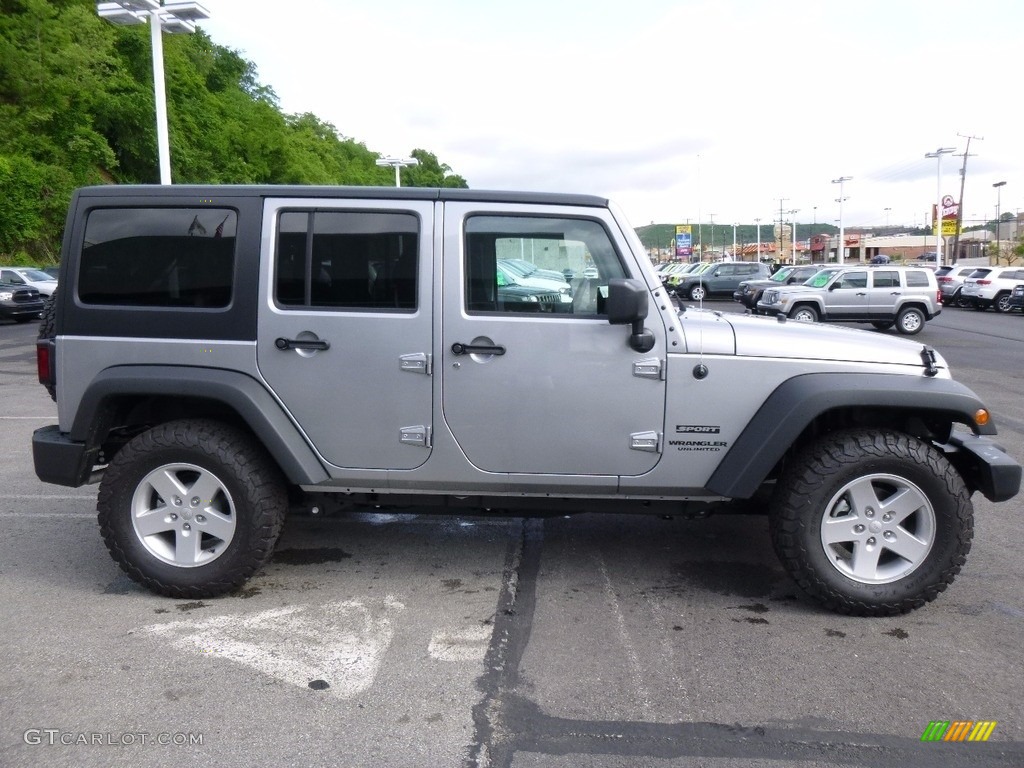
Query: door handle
pixel 284 344
pixel 458 348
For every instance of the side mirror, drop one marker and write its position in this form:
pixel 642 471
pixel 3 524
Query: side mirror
pixel 627 305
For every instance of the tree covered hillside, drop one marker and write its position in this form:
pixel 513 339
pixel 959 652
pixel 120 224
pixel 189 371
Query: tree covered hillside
pixel 76 108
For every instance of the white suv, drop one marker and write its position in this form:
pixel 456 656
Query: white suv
pixel 991 287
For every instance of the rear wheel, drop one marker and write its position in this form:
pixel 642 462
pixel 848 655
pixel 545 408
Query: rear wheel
pixel 804 313
pixel 48 329
pixel 910 320
pixel 872 522
pixel 191 508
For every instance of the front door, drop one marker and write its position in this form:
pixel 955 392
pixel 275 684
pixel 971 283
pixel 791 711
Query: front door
pixel 345 326
pixel 848 295
pixel 534 378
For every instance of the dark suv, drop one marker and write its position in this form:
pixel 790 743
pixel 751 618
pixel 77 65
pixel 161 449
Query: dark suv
pixel 749 291
pixel 721 279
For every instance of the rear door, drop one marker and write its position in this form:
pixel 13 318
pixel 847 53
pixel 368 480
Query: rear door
pixel 536 387
pixel 345 326
pixel 884 292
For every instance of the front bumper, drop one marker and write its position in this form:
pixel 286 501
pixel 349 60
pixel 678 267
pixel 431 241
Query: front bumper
pixel 984 465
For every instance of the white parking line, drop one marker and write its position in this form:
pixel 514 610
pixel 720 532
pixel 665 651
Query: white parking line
pixel 341 643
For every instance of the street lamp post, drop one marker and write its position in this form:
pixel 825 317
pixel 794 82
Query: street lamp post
pixel 398 163
pixel 841 249
pixel 793 212
pixel 758 222
pixel 999 190
pixel 712 217
pixel 172 18
pixel 940 247
pixel 734 241
pixel 887 218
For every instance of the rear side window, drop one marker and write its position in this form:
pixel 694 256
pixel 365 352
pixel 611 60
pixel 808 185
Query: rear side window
pixel 158 257
pixel 886 279
pixel 917 278
pixel 346 260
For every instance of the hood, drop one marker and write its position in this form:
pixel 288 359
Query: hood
pixel 760 336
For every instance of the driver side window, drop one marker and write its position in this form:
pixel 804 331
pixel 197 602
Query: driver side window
pixel 538 265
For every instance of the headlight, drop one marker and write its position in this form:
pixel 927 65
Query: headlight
pixel 6 296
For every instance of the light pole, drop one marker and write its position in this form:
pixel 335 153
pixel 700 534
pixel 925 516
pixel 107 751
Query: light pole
pixel 712 217
pixel 173 18
pixel 887 217
pixel 758 222
pixel 793 212
pixel 940 248
pixel 734 241
pixel 999 193
pixel 841 249
pixel 398 163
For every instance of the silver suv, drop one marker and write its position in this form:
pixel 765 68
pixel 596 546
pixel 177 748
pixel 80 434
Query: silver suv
pixel 221 356
pixel 991 287
pixel 883 296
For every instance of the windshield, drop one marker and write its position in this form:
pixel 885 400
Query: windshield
pixel 34 274
pixel 821 278
pixel 782 274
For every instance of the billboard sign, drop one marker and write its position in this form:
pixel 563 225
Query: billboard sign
pixel 684 241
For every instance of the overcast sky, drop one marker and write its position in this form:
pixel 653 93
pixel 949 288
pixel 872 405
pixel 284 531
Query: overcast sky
pixel 594 97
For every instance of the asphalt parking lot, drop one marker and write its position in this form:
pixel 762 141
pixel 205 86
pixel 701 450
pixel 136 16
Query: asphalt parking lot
pixel 390 639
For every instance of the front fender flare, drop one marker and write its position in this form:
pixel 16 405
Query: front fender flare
pixel 795 403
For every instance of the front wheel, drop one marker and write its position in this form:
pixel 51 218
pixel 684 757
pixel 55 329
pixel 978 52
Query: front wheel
pixel 805 314
pixel 1002 303
pixel 910 321
pixel 191 509
pixel 872 522
pixel 697 292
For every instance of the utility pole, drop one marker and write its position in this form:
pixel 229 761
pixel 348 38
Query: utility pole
pixel 781 225
pixel 960 208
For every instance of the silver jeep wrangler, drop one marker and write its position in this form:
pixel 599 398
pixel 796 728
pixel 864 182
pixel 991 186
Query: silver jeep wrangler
pixel 221 355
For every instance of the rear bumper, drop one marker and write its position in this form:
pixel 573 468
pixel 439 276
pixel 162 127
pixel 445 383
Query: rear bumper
pixel 984 465
pixel 60 460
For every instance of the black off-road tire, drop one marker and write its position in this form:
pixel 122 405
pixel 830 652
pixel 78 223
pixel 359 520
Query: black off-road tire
pixel 882 461
pixel 249 491
pixel 48 329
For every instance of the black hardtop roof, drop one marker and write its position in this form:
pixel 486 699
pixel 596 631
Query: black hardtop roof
pixel 212 192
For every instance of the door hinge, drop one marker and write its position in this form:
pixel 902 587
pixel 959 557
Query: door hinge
pixel 649 368
pixel 645 441
pixel 418 435
pixel 417 362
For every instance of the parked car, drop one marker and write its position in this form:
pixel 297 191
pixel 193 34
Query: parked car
pixel 991 287
pixel 720 279
pixel 749 291
pixel 513 274
pixel 883 296
pixel 36 278
pixel 349 392
pixel 881 259
pixel 529 269
pixel 1017 297
pixel 20 303
pixel 951 281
